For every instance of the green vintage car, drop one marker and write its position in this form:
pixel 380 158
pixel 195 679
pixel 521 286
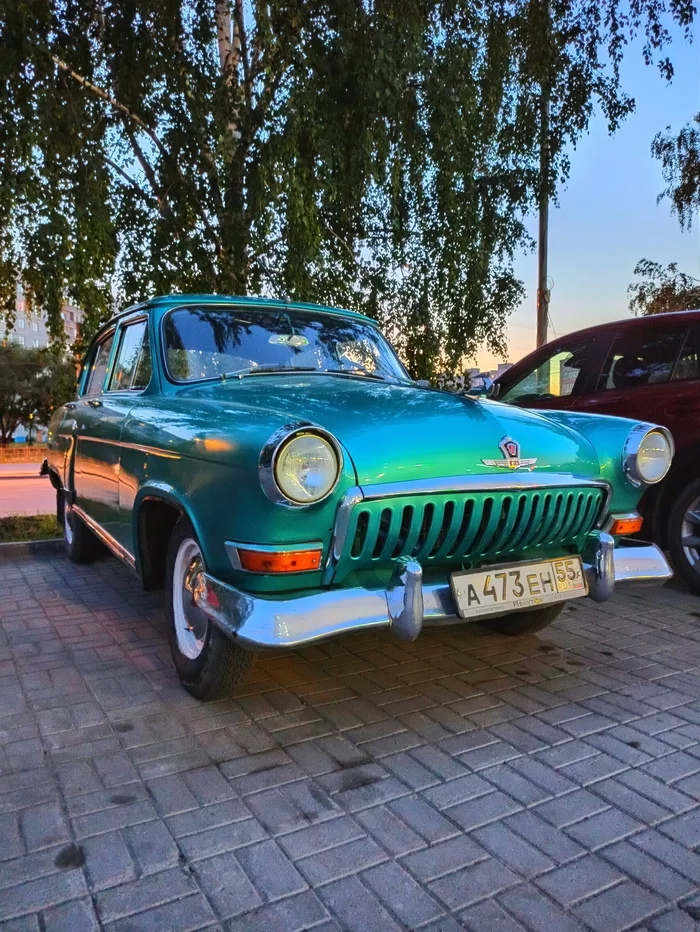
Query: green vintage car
pixel 277 470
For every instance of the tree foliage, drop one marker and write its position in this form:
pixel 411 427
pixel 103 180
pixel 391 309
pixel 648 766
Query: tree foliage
pixel 379 154
pixel 33 383
pixel 679 155
pixel 663 289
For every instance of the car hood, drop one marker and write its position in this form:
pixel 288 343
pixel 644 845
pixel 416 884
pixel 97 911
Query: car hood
pixel 397 432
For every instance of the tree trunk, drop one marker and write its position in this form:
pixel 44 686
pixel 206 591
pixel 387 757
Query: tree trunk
pixel 233 259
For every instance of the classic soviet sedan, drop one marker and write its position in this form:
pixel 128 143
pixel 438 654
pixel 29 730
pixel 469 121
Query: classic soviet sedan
pixel 275 468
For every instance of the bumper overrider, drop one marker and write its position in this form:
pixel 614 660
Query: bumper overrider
pixel 405 606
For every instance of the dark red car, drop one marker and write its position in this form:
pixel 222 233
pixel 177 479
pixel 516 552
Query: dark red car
pixel 647 368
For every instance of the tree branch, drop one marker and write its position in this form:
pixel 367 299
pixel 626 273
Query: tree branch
pixel 126 112
pixel 120 171
pixel 243 50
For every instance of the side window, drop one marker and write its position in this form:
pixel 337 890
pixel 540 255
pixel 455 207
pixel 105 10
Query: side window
pixel 641 357
pixel 556 377
pixel 98 369
pixel 130 343
pixel 688 365
pixel 142 376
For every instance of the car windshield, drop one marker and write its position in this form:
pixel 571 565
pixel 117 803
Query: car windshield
pixel 216 342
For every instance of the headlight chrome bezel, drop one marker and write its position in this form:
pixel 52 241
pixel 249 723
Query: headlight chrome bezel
pixel 631 448
pixel 269 456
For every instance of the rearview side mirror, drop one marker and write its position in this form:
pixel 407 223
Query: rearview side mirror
pixel 482 387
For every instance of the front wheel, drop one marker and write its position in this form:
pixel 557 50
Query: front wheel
pixel 683 534
pixel 209 664
pixel 524 622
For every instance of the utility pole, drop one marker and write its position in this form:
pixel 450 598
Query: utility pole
pixel 545 93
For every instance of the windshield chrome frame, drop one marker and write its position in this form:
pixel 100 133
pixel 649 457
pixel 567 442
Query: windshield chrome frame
pixel 270 307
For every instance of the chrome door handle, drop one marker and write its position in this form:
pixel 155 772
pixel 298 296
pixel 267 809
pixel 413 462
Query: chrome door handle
pixel 71 404
pixel 95 403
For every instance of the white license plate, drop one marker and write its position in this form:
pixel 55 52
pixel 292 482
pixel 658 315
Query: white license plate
pixel 517 585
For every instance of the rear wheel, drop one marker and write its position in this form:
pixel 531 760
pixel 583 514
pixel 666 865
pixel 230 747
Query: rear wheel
pixel 525 622
pixel 81 544
pixel 683 534
pixel 209 664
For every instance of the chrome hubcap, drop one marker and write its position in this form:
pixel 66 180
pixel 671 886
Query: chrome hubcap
pixel 690 534
pixel 188 581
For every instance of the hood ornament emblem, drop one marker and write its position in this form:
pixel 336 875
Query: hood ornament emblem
pixel 511 457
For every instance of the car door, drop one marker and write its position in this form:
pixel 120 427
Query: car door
pixel 101 420
pixel 556 375
pixel 96 464
pixel 644 373
pixel 132 375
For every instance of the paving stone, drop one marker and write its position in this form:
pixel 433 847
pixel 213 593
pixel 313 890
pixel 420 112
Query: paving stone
pixel 444 857
pixel 152 847
pixel 357 909
pixel 340 861
pixel 549 840
pixel 396 889
pixel 77 916
pixel 631 802
pixel 389 831
pixel 269 870
pixel 423 819
pixel 35 895
pixel 512 850
pixel 650 872
pixel 470 884
pixel 488 916
pixel 675 920
pixel 107 861
pixel 293 914
pixel 483 810
pixel 224 883
pixel 131 898
pixel 536 912
pixel 186 915
pixel 669 852
pixel 582 878
pixel 619 908
pixel 571 808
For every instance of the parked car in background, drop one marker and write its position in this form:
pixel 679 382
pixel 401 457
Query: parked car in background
pixel 646 368
pixel 274 466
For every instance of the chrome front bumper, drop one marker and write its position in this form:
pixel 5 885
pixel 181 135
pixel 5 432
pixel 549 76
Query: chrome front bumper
pixel 405 606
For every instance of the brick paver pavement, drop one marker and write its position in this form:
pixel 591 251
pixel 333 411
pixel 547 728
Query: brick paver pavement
pixel 466 781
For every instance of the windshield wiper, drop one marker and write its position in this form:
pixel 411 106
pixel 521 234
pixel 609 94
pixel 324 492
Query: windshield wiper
pixel 361 373
pixel 261 370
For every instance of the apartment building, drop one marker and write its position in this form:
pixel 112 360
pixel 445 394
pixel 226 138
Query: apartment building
pixel 30 325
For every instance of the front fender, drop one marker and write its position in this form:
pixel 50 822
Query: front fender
pixel 607 434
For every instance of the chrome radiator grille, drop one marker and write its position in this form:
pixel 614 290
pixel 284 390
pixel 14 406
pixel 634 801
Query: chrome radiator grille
pixel 453 528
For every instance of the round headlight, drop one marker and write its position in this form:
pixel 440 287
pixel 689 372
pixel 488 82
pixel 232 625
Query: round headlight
pixel 306 468
pixel 648 454
pixel 654 457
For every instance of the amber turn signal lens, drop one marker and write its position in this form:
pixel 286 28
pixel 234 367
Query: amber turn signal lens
pixel 625 526
pixel 287 561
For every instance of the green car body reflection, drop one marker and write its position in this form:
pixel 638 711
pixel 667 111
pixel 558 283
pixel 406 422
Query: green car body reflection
pixel 278 471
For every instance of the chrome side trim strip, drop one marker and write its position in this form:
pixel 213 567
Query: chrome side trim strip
pixel 520 482
pixel 121 552
pixel 142 448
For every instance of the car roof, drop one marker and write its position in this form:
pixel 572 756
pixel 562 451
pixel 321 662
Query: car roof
pixel 166 302
pixel 629 323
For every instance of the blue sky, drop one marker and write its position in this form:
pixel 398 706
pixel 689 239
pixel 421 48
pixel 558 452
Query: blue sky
pixel 607 218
